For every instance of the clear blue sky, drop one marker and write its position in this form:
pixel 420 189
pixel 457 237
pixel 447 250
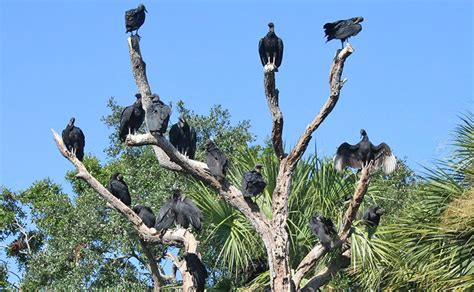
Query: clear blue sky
pixel 410 75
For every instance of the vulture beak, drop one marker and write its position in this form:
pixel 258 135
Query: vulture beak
pixel 146 10
pixel 71 121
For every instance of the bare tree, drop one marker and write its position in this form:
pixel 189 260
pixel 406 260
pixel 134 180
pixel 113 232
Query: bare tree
pixel 272 231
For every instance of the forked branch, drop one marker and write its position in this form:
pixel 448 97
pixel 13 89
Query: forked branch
pixel 319 251
pixel 179 162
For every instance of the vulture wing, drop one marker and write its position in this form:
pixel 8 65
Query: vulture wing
pixel 192 144
pixel 261 51
pixel 346 156
pixel 279 57
pixel 175 135
pixel 124 122
pixel 166 216
pixel 384 158
pixel 190 212
pixel 197 270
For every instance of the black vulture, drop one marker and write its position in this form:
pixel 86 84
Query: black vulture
pixel 359 155
pixel 146 214
pixel 323 228
pixel 158 116
pixel 216 160
pixel 179 210
pixel 74 139
pixel 343 29
pixel 119 188
pixel 132 118
pixel 183 137
pixel 197 269
pixel 372 216
pixel 253 182
pixel 134 18
pixel 270 48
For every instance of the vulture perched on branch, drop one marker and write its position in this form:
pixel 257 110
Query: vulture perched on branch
pixel 183 137
pixel 134 18
pixel 343 29
pixel 74 139
pixel 178 210
pixel 119 188
pixel 158 116
pixel 372 216
pixel 324 229
pixel 253 182
pixel 132 118
pixel 197 269
pixel 360 154
pixel 270 48
pixel 146 214
pixel 216 160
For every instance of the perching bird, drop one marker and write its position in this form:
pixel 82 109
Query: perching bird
pixel 146 214
pixel 158 116
pixel 74 139
pixel 359 155
pixel 372 216
pixel 253 182
pixel 343 29
pixel 119 188
pixel 197 269
pixel 132 118
pixel 179 210
pixel 183 137
pixel 216 160
pixel 270 48
pixel 134 18
pixel 324 229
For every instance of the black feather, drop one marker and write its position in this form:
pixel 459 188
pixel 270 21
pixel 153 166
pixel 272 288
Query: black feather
pixel 119 188
pixel 132 118
pixel 134 18
pixel 324 229
pixel 158 116
pixel 183 137
pixel 253 182
pixel 216 160
pixel 74 139
pixel 197 269
pixel 358 155
pixel 270 48
pixel 146 214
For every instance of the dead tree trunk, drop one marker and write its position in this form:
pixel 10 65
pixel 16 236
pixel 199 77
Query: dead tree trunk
pixel 272 232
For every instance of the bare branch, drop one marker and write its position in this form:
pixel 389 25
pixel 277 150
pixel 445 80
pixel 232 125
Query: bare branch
pixel 335 84
pixel 272 93
pixel 318 251
pixel 178 237
pixel 326 274
pixel 153 266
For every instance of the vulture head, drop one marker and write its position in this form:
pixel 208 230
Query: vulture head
pixel 141 7
pixel 71 122
pixel 357 19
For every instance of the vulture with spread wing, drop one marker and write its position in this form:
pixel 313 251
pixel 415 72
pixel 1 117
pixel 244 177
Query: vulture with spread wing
pixel 360 154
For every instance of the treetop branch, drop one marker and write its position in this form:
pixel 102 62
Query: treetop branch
pixel 272 93
pixel 335 85
pixel 178 237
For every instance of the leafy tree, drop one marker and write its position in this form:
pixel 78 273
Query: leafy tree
pixel 83 243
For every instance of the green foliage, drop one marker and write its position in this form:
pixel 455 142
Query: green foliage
pixel 428 245
pixel 86 244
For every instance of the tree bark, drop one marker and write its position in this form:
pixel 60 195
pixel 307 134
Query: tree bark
pixel 310 260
